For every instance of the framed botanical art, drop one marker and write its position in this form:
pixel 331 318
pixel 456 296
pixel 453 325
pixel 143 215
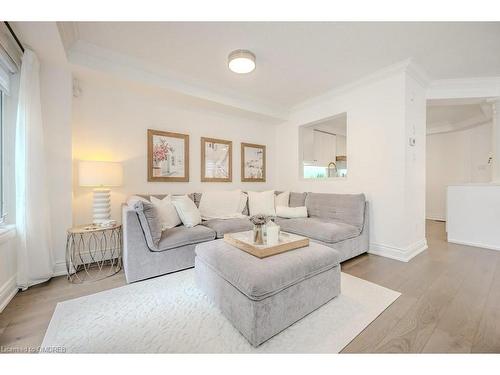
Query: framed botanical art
pixel 253 163
pixel 216 160
pixel 168 156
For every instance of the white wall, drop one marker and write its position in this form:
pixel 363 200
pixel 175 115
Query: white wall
pixel 376 157
pixel 455 157
pixel 414 200
pixel 110 120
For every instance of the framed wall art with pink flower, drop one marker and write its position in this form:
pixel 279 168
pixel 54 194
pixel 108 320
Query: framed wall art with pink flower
pixel 168 156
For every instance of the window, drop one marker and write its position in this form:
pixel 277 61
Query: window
pixel 11 53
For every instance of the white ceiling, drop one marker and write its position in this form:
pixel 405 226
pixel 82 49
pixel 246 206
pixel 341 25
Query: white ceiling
pixel 297 61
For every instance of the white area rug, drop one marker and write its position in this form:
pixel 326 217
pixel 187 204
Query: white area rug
pixel 169 314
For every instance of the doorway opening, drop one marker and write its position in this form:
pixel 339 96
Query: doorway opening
pixel 458 148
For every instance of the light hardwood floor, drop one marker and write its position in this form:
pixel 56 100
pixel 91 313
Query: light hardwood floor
pixel 450 302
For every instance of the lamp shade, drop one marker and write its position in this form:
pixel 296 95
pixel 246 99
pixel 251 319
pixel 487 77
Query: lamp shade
pixel 99 173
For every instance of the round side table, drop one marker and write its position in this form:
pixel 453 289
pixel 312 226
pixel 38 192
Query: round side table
pixel 93 252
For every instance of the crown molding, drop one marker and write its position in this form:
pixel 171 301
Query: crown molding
pixel 406 66
pixel 69 34
pixel 418 73
pixel 487 109
pixel 123 66
pixel 97 58
pixel 448 127
pixel 478 87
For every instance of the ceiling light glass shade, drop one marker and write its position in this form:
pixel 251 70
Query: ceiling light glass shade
pixel 241 61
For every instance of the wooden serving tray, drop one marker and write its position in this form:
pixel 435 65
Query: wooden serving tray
pixel 244 241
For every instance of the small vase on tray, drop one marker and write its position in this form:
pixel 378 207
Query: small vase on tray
pixel 259 221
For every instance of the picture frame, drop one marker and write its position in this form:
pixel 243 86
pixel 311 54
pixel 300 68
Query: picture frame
pixel 168 156
pixel 253 162
pixel 216 160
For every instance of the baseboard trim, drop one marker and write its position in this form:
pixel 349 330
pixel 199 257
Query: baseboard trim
pixel 397 253
pixel 7 291
pixel 474 244
pixel 60 268
pixel 7 232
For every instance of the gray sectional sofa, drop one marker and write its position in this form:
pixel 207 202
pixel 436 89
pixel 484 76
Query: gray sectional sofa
pixel 339 221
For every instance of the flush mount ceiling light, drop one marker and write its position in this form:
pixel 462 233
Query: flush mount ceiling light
pixel 241 61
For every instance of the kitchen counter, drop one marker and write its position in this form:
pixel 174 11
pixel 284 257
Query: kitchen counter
pixel 473 214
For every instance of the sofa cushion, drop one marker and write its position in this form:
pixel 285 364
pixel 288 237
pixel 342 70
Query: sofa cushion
pixel 222 226
pixel 345 208
pixel 149 219
pixel 182 235
pixel 297 199
pixel 261 278
pixel 319 229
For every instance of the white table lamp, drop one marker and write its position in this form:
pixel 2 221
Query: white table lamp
pixel 100 175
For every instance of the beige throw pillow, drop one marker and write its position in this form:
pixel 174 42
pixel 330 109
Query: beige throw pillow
pixel 166 211
pixel 187 210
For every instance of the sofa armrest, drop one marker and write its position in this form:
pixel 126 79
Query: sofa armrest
pixel 134 241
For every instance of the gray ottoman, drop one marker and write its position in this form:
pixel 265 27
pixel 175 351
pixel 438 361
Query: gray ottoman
pixel 262 297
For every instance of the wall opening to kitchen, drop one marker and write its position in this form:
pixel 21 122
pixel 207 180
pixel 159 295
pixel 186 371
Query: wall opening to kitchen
pixel 323 148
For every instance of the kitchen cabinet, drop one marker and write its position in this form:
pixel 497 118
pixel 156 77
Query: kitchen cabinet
pixel 325 146
pixel 318 147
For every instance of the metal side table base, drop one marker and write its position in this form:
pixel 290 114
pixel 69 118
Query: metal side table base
pixel 93 252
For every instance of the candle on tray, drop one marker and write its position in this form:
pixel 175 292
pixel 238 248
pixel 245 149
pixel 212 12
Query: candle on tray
pixel 273 233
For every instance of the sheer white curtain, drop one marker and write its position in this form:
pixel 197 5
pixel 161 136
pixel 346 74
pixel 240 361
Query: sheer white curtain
pixel 34 256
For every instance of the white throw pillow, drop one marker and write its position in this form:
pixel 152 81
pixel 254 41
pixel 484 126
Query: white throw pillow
pixel 220 204
pixel 187 210
pixel 133 199
pixel 166 211
pixel 261 203
pixel 291 212
pixel 282 199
